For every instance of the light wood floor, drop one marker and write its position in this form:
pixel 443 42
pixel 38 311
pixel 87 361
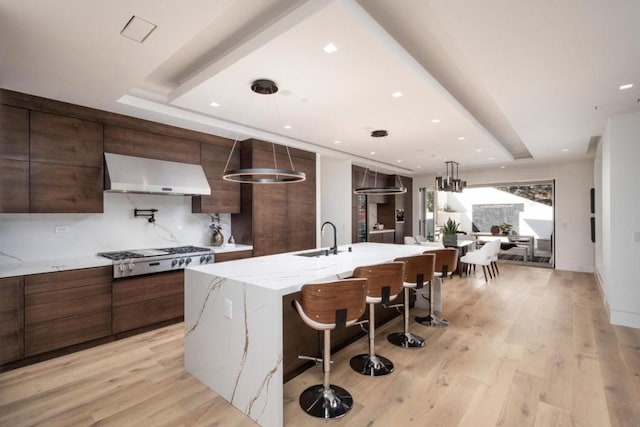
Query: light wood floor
pixel 532 348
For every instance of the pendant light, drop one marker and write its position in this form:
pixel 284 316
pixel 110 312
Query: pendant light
pixel 379 190
pixel 451 182
pixel 273 175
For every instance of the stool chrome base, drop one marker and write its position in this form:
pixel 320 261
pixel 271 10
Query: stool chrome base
pixel 431 320
pixel 333 402
pixel 373 366
pixel 406 340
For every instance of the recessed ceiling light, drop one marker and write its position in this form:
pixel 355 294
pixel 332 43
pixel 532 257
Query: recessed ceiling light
pixel 396 94
pixel 418 167
pixel 565 149
pixel 478 150
pixel 336 142
pixel 214 104
pixel 330 48
pixel 435 121
pixel 502 167
pixel 372 152
pixel 461 138
pixel 626 86
pixel 287 126
pixel 398 161
pixel 492 158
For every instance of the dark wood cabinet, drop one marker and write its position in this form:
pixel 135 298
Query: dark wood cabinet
pixel 14 186
pixel 384 237
pixel 14 159
pixel 225 195
pixel 14 133
pixel 146 300
pixel 11 319
pixel 230 256
pixel 65 140
pixel 298 339
pixel 277 218
pixel 56 188
pixel 66 308
pixel 141 143
pixel 66 173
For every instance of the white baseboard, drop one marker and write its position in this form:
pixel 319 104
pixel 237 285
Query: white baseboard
pixel 581 268
pixel 624 318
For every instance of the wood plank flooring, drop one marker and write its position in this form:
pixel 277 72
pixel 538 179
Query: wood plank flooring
pixel 530 348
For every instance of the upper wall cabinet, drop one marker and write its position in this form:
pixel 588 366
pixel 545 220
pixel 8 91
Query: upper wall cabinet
pixel 131 142
pixel 14 159
pixel 66 173
pixel 225 195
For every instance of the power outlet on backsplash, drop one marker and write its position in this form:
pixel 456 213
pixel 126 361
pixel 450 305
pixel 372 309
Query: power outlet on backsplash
pixel 61 229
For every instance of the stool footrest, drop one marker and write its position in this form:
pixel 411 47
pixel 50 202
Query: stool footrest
pixel 317 360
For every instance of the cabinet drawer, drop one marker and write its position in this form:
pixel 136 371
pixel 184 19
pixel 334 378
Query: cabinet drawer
pixel 61 333
pixel 11 319
pixel 144 313
pixel 230 256
pixel 48 282
pixel 138 289
pixel 59 304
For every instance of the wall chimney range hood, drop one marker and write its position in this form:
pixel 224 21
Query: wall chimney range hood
pixel 128 174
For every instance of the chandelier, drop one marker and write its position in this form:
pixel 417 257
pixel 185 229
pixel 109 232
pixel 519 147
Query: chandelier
pixel 382 190
pixel 451 182
pixel 275 175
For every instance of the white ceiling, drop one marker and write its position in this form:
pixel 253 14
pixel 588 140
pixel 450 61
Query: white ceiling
pixel 519 80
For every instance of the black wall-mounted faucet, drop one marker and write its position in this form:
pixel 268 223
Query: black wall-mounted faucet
pixel 146 213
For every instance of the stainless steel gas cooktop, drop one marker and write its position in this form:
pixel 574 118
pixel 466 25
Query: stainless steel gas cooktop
pixel 146 261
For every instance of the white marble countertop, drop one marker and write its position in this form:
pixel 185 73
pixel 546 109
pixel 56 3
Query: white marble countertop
pixel 384 230
pixel 18 268
pixel 286 273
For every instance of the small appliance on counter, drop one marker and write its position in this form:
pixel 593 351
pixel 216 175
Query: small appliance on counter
pixel 147 261
pixel 378 226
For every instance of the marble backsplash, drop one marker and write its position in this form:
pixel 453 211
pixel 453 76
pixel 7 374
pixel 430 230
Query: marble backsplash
pixel 33 237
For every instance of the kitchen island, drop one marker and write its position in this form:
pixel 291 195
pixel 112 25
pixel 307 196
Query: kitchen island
pixel 233 320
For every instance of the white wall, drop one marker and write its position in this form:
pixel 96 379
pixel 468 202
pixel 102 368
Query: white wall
pixel 619 253
pixel 31 237
pixel 335 199
pixel 573 247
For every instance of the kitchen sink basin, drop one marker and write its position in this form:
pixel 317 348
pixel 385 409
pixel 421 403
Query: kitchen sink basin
pixel 316 253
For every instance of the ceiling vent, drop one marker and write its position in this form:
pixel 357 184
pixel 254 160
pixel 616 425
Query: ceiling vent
pixel 137 29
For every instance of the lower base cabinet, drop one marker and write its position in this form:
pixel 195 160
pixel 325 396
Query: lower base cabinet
pixel 11 319
pixel 146 300
pixel 66 308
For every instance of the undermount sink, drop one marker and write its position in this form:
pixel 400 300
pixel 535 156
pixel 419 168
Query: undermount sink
pixel 317 253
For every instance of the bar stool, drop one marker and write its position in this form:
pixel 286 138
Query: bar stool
pixel 417 270
pixel 446 262
pixel 325 307
pixel 384 284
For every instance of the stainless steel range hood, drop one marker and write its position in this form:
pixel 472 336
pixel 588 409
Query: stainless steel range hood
pixel 128 174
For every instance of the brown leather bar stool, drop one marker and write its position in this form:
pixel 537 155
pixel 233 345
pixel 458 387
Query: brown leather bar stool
pixel 445 264
pixel 325 307
pixel 418 269
pixel 384 285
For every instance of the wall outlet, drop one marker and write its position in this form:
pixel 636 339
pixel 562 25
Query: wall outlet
pixel 61 229
pixel 228 308
pixel 636 236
